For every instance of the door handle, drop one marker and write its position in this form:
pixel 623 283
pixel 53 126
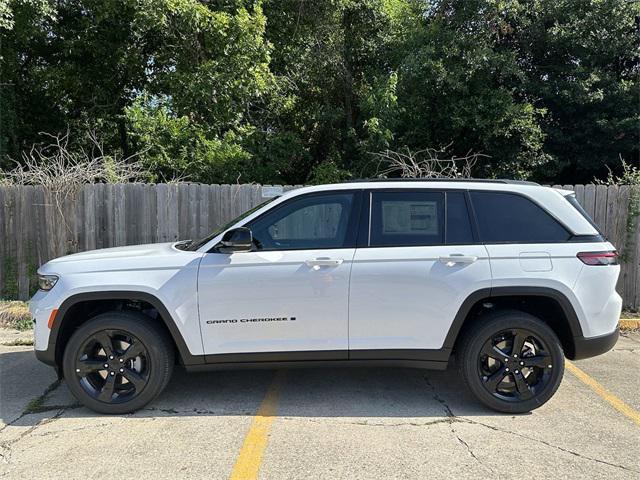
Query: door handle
pixel 455 258
pixel 324 262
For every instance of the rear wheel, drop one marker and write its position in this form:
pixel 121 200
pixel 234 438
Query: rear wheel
pixel 512 361
pixel 118 362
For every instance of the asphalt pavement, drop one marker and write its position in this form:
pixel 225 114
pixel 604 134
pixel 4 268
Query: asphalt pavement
pixel 351 423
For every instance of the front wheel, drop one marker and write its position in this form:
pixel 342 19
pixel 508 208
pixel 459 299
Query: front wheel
pixel 117 362
pixel 512 361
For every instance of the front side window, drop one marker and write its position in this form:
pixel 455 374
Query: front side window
pixel 310 222
pixel 509 218
pixel 406 219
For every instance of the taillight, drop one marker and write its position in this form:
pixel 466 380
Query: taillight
pixel 599 258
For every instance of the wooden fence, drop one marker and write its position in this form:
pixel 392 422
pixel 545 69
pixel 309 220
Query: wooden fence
pixel 35 225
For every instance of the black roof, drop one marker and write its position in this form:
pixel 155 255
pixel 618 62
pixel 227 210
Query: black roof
pixel 475 180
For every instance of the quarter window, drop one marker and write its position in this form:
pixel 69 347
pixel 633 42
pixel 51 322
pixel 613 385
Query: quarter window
pixel 508 218
pixel 310 222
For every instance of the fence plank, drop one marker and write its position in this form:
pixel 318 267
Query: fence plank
pixel 9 261
pixel 611 210
pixel 600 212
pixel 4 238
pixel 621 237
pixel 579 189
pixel 203 205
pixel 590 199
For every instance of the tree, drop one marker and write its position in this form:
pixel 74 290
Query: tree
pixel 581 63
pixel 294 91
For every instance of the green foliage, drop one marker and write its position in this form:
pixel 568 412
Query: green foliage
pixel 458 89
pixel 291 91
pixel 630 177
pixel 328 172
pixel 174 147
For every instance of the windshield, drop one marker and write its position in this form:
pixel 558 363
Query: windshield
pixel 199 243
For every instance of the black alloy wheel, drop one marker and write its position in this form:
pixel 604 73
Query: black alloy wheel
pixel 512 361
pixel 118 361
pixel 515 365
pixel 113 366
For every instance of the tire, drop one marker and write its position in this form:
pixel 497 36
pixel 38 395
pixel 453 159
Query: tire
pixel 136 372
pixel 494 371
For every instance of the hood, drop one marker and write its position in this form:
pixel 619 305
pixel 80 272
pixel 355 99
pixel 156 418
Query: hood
pixel 155 256
pixel 132 251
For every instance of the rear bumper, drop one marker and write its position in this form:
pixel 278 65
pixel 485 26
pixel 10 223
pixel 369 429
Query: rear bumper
pixel 593 346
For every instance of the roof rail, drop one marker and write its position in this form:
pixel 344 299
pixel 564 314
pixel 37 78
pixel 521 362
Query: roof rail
pixel 475 180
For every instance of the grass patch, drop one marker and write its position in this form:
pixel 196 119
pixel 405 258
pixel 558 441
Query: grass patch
pixel 36 405
pixel 20 342
pixel 14 314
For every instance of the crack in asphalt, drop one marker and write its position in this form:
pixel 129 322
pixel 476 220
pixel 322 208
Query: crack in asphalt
pixel 173 411
pixel 6 447
pixel 35 406
pixel 548 444
pixel 451 418
pixel 372 424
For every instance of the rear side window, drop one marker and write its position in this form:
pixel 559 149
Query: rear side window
pixel 508 218
pixel 406 219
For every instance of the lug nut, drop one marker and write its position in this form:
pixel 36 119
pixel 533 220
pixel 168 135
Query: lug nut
pixel 515 356
pixel 522 364
pixel 110 357
pixel 121 361
pixel 121 370
pixel 484 378
pixel 549 366
pixel 517 371
pixel 112 373
pixel 506 359
pixel 106 365
pixel 506 369
pixel 77 370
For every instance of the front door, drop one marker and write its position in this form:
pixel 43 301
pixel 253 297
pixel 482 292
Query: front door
pixel 288 298
pixel 412 274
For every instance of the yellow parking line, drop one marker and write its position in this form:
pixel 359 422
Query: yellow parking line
pixel 249 459
pixel 609 397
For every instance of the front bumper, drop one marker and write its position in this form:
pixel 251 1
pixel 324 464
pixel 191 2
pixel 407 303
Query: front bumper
pixel 47 356
pixel 593 346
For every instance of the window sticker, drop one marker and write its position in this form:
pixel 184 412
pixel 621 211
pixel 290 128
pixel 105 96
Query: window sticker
pixel 410 217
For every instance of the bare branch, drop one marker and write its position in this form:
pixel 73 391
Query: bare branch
pixel 427 163
pixel 63 171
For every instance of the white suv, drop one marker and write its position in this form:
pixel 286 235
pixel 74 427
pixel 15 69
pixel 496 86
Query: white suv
pixel 510 277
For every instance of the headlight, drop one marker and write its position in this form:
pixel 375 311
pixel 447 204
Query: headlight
pixel 46 282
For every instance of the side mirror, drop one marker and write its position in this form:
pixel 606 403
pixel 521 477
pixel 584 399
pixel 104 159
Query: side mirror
pixel 237 240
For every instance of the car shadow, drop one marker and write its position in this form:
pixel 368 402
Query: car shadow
pixel 303 392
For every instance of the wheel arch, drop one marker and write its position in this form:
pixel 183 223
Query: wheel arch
pixel 550 305
pixel 62 330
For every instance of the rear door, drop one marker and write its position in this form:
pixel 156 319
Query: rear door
pixel 417 260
